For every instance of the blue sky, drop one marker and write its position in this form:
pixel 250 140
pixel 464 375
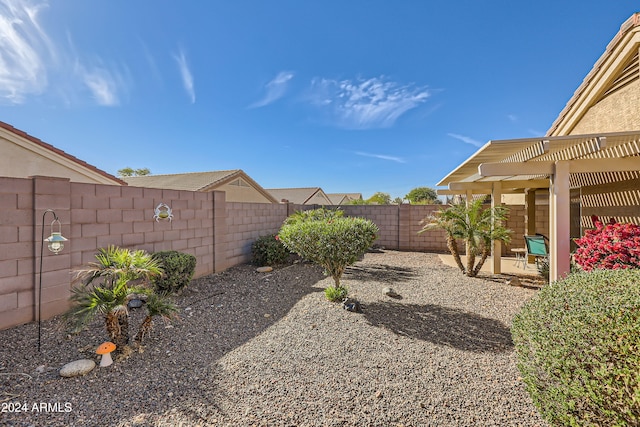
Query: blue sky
pixel 351 96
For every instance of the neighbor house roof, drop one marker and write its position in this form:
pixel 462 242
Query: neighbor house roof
pixel 340 198
pixel 300 196
pixel 196 181
pixel 42 154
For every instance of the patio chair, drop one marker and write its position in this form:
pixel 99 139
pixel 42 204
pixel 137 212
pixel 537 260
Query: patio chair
pixel 537 247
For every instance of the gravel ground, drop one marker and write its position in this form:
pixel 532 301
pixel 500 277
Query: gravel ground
pixel 266 349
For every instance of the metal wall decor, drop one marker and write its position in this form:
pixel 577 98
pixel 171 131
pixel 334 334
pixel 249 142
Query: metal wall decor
pixel 163 212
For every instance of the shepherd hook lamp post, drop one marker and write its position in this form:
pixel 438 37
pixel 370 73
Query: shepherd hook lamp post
pixel 55 243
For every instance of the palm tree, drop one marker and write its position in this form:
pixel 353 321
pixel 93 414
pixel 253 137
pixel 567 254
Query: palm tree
pixel 157 305
pixel 104 287
pixel 477 226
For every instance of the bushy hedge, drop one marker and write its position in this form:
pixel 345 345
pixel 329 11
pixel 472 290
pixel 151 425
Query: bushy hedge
pixel 269 250
pixel 578 346
pixel 178 267
pixel 333 243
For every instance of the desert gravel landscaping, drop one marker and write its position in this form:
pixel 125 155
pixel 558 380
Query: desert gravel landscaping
pixel 267 349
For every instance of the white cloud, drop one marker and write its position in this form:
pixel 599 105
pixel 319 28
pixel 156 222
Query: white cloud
pixel 153 66
pixel 187 77
pixel 32 65
pixel 512 117
pixel 102 84
pixel 466 139
pixel 381 156
pixel 366 104
pixel 276 89
pixel 24 49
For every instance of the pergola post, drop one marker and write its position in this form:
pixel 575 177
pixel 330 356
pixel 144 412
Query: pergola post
pixel 530 218
pixel 559 222
pixel 468 199
pixel 496 245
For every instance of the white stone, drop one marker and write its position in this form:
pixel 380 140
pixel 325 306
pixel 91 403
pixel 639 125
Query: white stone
pixel 264 269
pixel 77 368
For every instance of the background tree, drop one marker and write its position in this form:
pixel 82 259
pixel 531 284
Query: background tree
pixel 133 172
pixel 423 195
pixel 380 198
pixel 398 201
pixel 359 202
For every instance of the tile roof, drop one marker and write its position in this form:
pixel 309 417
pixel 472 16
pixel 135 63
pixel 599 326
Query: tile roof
pixel 294 195
pixel 193 181
pixel 627 28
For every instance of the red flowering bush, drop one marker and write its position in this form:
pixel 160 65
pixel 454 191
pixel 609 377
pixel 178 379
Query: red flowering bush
pixel 612 246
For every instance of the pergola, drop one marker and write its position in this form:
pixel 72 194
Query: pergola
pixel 555 163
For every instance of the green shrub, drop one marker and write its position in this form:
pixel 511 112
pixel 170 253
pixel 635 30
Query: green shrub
pixel 334 244
pixel 268 250
pixel 178 271
pixel 336 294
pixel 578 347
pixel 314 215
pixel 543 268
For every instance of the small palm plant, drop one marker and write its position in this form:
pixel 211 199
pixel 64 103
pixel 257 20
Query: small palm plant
pixel 104 289
pixel 157 305
pixel 476 226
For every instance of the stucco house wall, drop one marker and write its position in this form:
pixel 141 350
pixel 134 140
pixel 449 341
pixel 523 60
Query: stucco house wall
pixel 24 155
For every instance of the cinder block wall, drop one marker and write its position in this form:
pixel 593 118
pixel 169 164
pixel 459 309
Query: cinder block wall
pixel 386 217
pixel 105 215
pixel 244 223
pixel 218 233
pixel 92 216
pixel 17 264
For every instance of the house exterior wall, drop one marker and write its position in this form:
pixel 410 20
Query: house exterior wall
pixel 219 233
pixel 236 193
pixel 318 199
pixel 618 112
pixel 620 197
pixel 616 200
pixel 24 160
pixel 517 222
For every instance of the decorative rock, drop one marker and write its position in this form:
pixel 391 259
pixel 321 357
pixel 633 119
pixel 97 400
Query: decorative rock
pixel 77 368
pixel 264 269
pixel 352 305
pixel 135 303
pixel 514 281
pixel 390 293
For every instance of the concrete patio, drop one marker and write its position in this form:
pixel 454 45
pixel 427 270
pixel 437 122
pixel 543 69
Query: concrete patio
pixel 507 265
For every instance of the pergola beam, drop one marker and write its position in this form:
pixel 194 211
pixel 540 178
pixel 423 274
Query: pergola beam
pixel 516 168
pixel 624 164
pixel 506 184
pixel 479 191
pixel 605 165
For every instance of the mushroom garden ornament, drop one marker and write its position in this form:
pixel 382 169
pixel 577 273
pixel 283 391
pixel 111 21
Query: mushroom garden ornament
pixel 105 350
